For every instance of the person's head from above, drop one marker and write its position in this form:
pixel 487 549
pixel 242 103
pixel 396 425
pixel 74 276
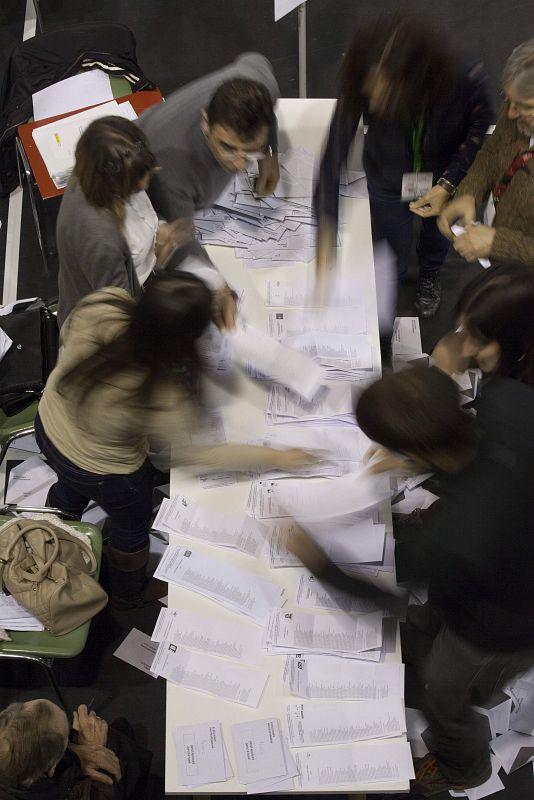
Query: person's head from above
pixel 33 738
pixel 400 64
pixel 417 413
pixel 113 161
pixel 236 123
pixel 518 84
pixel 158 342
pixel 495 318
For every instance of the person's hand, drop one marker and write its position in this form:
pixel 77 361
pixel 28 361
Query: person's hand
pixel 475 243
pixel 461 210
pixel 447 354
pixel 292 459
pixel 308 552
pixel 97 760
pixel 431 203
pixel 268 175
pixel 379 459
pixel 90 728
pixel 170 236
pixel 224 308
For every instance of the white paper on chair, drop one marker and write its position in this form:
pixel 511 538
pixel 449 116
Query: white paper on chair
pixel 29 482
pixel 80 91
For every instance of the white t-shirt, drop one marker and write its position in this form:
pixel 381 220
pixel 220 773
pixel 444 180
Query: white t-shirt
pixel 140 228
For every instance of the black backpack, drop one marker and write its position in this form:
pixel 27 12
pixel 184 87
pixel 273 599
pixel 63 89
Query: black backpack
pixel 50 57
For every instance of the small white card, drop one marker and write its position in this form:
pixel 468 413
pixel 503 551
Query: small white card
pixel 200 753
pixel 415 185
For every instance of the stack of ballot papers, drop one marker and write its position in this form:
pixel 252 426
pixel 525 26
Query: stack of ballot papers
pixel 342 356
pixel 311 724
pixel 232 587
pixel 348 445
pixel 312 593
pixel 57 141
pixel 332 405
pixel 201 754
pixel 264 762
pixel 209 674
pixel 334 678
pixel 239 531
pixel 301 293
pixel 241 641
pixel 337 634
pixel 296 321
pixel 278 230
pixel 14 617
pixel 362 764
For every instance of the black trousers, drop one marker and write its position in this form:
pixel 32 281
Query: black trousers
pixel 457 676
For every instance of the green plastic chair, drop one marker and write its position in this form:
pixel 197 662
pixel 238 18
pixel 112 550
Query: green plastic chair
pixel 41 647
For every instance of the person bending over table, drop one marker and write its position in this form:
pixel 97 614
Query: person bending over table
pixel 42 758
pixel 426 118
pixel 129 371
pixel 503 175
pixel 202 135
pixel 476 548
pixel 108 233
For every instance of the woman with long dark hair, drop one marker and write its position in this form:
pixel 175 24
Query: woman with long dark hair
pixel 426 119
pixel 129 371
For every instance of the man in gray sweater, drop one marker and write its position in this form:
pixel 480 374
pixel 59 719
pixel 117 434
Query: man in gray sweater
pixel 202 135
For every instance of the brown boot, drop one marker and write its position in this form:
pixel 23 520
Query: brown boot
pixel 130 587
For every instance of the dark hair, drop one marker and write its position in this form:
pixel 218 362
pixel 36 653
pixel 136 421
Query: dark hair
pixel 112 157
pixel 414 58
pixel 418 411
pixel 498 305
pixel 159 341
pixel 242 105
pixel 28 748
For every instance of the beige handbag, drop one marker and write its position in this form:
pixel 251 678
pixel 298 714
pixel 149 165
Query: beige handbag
pixel 48 571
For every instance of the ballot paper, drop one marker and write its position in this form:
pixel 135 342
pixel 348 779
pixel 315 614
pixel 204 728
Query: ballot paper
pixel 335 678
pixel 5 343
pixel 458 230
pixel 301 632
pixel 347 444
pixel 201 753
pixel 57 141
pixel 416 498
pixel 14 617
pixel 491 786
pixel 79 91
pixel 331 405
pixel 209 635
pixel 416 723
pixel 263 758
pixel 138 650
pixel 311 724
pixel 311 593
pixel 29 482
pixel 210 675
pixel 325 346
pixel 513 750
pixel 497 709
pixel 231 586
pixel 343 294
pixel 181 515
pixel 296 321
pixel 283 364
pixel 283 530
pixel 406 338
pixel 360 764
pixel 522 716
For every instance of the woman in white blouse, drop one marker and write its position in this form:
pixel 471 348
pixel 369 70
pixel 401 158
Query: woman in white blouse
pixel 108 233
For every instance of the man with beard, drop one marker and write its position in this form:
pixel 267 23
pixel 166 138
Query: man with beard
pixel 503 173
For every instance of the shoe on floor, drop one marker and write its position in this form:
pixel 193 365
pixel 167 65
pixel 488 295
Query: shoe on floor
pixel 428 294
pixel 430 780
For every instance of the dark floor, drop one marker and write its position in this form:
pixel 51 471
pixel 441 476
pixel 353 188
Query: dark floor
pixel 178 41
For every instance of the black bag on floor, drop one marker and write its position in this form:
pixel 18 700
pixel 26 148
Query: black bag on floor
pixel 31 358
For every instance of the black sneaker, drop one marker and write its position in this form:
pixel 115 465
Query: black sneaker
pixel 428 295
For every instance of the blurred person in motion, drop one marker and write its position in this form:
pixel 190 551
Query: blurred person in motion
pixel 494 326
pixel 130 370
pixel 108 233
pixel 501 176
pixel 476 547
pixel 202 136
pixel 43 758
pixel 426 117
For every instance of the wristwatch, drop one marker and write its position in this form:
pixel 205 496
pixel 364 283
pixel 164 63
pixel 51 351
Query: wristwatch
pixel 447 185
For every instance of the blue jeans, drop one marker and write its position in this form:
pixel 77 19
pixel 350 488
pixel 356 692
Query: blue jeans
pixel 393 221
pixel 127 499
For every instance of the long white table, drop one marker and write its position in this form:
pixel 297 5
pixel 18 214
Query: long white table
pixel 301 122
